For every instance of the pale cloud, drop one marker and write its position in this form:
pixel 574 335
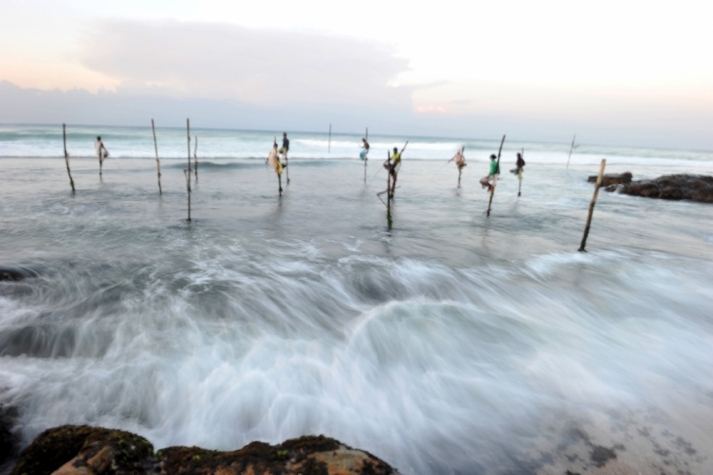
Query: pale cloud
pixel 255 66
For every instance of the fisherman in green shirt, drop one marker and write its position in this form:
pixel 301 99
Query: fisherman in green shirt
pixel 393 167
pixel 493 174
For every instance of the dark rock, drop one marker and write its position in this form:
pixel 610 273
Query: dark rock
pixel 84 450
pixel 9 441
pixel 317 455
pixel 704 195
pixel 601 455
pixel 670 187
pixel 608 180
pixel 671 193
pixel 11 275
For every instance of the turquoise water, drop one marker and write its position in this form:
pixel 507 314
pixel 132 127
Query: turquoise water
pixel 448 343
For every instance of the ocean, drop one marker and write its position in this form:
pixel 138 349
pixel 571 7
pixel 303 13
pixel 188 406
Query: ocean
pixel 443 342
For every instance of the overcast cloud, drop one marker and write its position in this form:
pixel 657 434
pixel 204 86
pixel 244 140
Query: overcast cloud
pixel 261 67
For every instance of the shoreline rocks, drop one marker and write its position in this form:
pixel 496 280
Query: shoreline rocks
pixel 608 180
pixel 669 187
pixel 85 450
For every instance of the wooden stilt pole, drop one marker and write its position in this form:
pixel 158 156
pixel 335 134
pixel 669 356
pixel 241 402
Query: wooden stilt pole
pixel 279 182
pixel 519 185
pixel 187 172
pixel 66 155
pixel 571 148
pixel 366 157
pixel 329 141
pixel 158 162
pixel 287 169
pixel 101 160
pixel 492 189
pixel 519 174
pixel 591 205
pixel 388 192
pixel 195 159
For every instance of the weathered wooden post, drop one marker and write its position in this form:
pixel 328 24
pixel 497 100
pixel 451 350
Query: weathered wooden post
pixel 519 174
pixel 66 155
pixel 591 205
pixel 366 156
pixel 495 180
pixel 195 158
pixel 158 162
pixel 329 141
pixel 187 172
pixel 388 191
pixel 571 148
pixel 101 160
pixel 287 169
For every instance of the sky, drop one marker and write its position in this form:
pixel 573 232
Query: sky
pixel 623 72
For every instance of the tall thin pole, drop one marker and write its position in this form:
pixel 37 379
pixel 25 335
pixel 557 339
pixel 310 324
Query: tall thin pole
pixel 591 205
pixel 158 162
pixel 571 148
pixel 66 155
pixel 388 191
pixel 366 156
pixel 329 142
pixel 519 174
pixel 188 171
pixel 287 169
pixel 195 158
pixel 492 190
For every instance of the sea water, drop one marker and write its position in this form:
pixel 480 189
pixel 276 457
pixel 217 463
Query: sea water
pixel 440 340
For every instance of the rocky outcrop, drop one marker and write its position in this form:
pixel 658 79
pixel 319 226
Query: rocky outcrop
pixel 608 180
pixel 9 441
pixel 84 450
pixel 670 187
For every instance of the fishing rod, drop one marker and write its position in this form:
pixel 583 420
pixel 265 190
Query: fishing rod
pixel 378 195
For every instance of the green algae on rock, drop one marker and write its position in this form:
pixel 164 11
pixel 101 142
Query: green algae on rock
pixel 84 450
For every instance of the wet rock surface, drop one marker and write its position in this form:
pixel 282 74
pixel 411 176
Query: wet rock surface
pixel 608 180
pixel 670 187
pixel 84 450
pixel 9 441
pixel 11 275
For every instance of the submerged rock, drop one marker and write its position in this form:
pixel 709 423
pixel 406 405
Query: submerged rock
pixel 670 187
pixel 608 180
pixel 11 275
pixel 84 450
pixel 9 441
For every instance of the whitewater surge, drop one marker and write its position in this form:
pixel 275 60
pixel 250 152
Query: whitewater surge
pixel 451 343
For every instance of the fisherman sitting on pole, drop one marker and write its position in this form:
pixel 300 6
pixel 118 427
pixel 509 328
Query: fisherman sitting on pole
pixel 365 149
pixel 459 159
pixel 274 159
pixel 490 180
pixel 392 165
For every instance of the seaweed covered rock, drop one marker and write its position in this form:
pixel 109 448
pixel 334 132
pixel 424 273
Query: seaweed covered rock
pixel 608 180
pixel 670 187
pixel 84 450
pixel 308 455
